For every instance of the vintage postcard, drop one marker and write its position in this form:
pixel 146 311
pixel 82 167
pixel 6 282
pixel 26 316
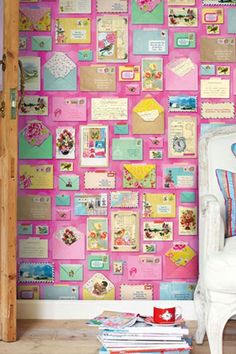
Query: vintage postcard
pixel 159 205
pixel 129 73
pixel 28 292
pixel 187 221
pixel 100 179
pixel 185 40
pixel 127 149
pixel 32 73
pixel 34 106
pixel 215 87
pixel 218 110
pixel 97 78
pixel 212 15
pixel 112 108
pixel 34 207
pixel 112 6
pixel 219 2
pixel 97 234
pixel 90 204
pixel 152 74
pixel 150 41
pixel 136 292
pixel 75 6
pixel 177 290
pixel 98 287
pixel 158 230
pixel 125 231
pixel 182 16
pixel 36 176
pixel 69 109
pixel 182 103
pixel 179 176
pixel 98 262
pixel 33 247
pixel 218 49
pixel 124 199
pixel 36 273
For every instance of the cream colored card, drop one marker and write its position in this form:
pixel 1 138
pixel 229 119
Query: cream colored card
pixel 187 221
pixel 114 6
pixel 75 6
pixel 34 207
pixel 215 88
pixel 217 110
pixel 99 179
pixel 136 292
pixel 181 2
pixel 159 205
pixel 33 247
pixel 36 176
pixel 73 30
pixel 125 231
pixel 129 73
pixel 182 137
pixel 112 108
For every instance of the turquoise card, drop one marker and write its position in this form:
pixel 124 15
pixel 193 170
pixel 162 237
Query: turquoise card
pixel 231 21
pixel 187 197
pixel 121 129
pixel 184 40
pixel 25 229
pixel 85 55
pixel 42 43
pixel 177 291
pixel 150 41
pixel 61 292
pixel 71 272
pixel 127 149
pixel 151 13
pixel 68 182
pixel 207 69
pixel 98 262
pixel 27 151
pixel 62 200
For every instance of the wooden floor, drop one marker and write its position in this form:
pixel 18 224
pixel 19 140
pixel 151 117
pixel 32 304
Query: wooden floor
pixel 75 337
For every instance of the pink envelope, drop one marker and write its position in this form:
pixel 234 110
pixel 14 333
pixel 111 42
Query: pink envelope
pixel 185 80
pixel 144 267
pixel 172 271
pixel 69 109
pixel 62 250
pixel 234 82
pixel 62 214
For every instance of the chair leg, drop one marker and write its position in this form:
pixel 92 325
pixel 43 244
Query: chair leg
pixel 200 311
pixel 216 320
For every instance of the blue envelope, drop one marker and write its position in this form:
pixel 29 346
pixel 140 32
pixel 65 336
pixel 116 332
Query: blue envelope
pixel 71 272
pixel 60 73
pixel 187 197
pixel 231 21
pixel 177 291
pixel 68 182
pixel 207 69
pixel 62 200
pixel 61 292
pixel 42 43
pixel 25 229
pixel 121 129
pixel 150 42
pixel 85 55
pixel 127 149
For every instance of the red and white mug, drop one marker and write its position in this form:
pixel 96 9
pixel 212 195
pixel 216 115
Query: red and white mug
pixel 165 315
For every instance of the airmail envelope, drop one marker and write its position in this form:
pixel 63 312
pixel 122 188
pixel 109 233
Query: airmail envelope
pixel 144 267
pixel 148 117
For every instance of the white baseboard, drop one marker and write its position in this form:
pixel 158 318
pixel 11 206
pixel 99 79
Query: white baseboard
pixel 73 310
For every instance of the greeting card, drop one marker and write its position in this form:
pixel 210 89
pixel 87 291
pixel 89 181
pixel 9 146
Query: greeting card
pixel 97 234
pixel 125 231
pixel 187 221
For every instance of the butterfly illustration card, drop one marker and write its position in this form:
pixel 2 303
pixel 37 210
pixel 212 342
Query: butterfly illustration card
pixel 159 205
pixel 125 231
pixel 179 176
pixel 65 143
pixel 36 176
pixel 97 234
pixel 187 221
pixel 157 230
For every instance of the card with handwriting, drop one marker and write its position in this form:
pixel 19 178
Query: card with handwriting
pixel 179 176
pixel 34 207
pixel 125 231
pixel 113 6
pixel 73 30
pixel 33 247
pixel 97 78
pixel 112 108
pixel 69 109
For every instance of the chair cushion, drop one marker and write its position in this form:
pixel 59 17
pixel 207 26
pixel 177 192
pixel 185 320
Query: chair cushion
pixel 227 184
pixel 221 269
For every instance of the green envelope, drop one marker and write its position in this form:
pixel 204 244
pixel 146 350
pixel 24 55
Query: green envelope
pixel 42 43
pixel 121 129
pixel 85 55
pixel 130 149
pixel 71 272
pixel 155 17
pixel 185 40
pixel 187 197
pixel 26 151
pixel 62 200
pixel 99 262
pixel 68 182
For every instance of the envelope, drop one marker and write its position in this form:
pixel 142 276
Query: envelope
pixel 218 49
pixel 28 292
pixel 153 15
pixel 98 262
pixel 42 43
pixel 98 288
pixel 62 200
pixel 73 30
pixel 136 291
pixel 184 40
pixel 34 207
pixel 36 176
pixel 68 243
pixel 63 214
pixel 207 69
pixel 35 18
pixel 60 73
pixel 129 73
pixel 231 21
pixel 114 6
pixel 69 109
pixel 85 55
pixel 74 6
pixel 150 42
pixel 61 292
pixel 97 78
pixel 187 197
pixel 37 146
pixel 148 117
pixel 172 271
pixel 25 229
pixel 144 267
pixel 181 75
pixel 139 176
pixel 177 291
pixel 121 128
pixel 99 179
pixel 71 272
pixel 160 205
pixel 68 182
pixel 212 15
pixel 127 149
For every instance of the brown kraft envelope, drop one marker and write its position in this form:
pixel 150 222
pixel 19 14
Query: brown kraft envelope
pixel 148 117
pixel 218 49
pixel 98 78
pixel 34 207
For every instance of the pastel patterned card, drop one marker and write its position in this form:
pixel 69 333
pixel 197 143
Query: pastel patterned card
pixel 36 176
pixel 36 273
pixel 34 106
pixel 179 176
pixel 152 74
pixel 150 41
pixel 75 6
pixel 61 292
pixel 139 176
pixel 90 204
pixel 35 18
pixel 182 17
pixel 98 287
pixel 68 182
pixel 69 109
pixel 127 149
pixel 125 231
pixel 68 243
pixel 187 221
pixel 99 179
pixel 113 6
pixel 28 292
pixel 124 199
pixel 71 272
pixel 185 40
pixel 65 143
pixel 177 291
pixel 144 267
pixel 136 292
pixel 157 230
pixel 97 234
pixel 148 12
pixel 112 39
pixel 182 103
pixel 159 205
pixel 73 30
pixel 98 262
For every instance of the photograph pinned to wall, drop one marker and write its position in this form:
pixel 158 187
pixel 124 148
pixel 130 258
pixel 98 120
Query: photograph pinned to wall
pixel 34 106
pixel 187 221
pixel 182 103
pixel 125 231
pixel 152 74
pixel 158 230
pixel 65 143
pixel 32 73
pixel 182 17
pixel 97 234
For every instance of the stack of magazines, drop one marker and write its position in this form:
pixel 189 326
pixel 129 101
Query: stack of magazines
pixel 126 333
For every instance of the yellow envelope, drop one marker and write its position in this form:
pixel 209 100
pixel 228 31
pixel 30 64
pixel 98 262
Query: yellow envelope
pixel 139 176
pixel 98 288
pixel 73 30
pixel 212 15
pixel 36 176
pixel 129 73
pixel 159 205
pixel 148 117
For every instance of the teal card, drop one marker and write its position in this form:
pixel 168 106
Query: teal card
pixel 25 229
pixel 188 197
pixel 62 200
pixel 98 262
pixel 121 129
pixel 231 21
pixel 85 55
pixel 184 40
pixel 68 182
pixel 42 43
pixel 207 69
pixel 127 149
pixel 61 292
pixel 71 272
pixel 27 151
pixel 147 13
